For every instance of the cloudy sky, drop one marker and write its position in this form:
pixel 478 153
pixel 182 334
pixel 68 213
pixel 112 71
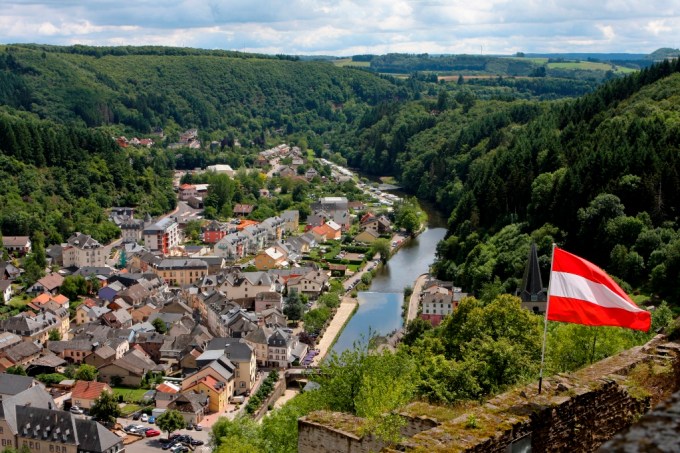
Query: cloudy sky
pixel 347 27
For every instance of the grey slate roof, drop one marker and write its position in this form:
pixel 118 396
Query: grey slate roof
pixel 93 437
pixel 12 384
pixel 35 396
pixel 236 349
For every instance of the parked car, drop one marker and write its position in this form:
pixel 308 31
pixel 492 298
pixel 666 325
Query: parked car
pixel 196 442
pixel 152 432
pixel 152 419
pixel 198 428
pixel 179 449
pixel 76 410
pixel 136 415
pixel 190 426
pixel 144 418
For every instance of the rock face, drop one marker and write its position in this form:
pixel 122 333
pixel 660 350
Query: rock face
pixel 577 412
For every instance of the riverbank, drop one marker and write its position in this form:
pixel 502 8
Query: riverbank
pixel 342 316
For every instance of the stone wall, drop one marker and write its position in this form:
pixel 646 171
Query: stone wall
pixel 576 412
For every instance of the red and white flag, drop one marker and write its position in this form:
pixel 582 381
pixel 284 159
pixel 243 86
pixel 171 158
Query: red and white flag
pixel 582 293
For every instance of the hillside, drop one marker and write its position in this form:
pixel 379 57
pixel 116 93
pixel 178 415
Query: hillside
pixel 143 88
pixel 600 175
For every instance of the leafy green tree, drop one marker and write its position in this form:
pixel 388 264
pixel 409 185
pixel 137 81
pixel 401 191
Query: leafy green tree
pixel 170 421
pixel 105 408
pixel 295 307
pixel 16 369
pixel 159 325
pixel 415 329
pixel 381 246
pixel 192 230
pixel 86 372
pixel 54 335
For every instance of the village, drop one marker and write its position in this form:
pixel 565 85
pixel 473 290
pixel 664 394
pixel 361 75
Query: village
pixel 209 328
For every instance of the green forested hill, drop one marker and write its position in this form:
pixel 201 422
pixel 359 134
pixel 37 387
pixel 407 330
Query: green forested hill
pixel 601 175
pixel 216 91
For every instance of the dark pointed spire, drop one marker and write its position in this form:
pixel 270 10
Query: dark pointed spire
pixel 532 284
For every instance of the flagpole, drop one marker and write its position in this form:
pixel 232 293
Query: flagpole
pixel 545 321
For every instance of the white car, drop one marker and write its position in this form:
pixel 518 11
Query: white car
pixel 144 418
pixel 76 410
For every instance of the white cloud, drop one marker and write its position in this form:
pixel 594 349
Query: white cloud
pixel 345 27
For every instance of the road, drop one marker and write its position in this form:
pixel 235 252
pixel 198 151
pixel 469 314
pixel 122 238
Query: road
pixel 415 298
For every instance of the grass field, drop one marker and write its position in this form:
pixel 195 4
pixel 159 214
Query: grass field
pixel 129 409
pixel 348 62
pixel 589 66
pixel 129 395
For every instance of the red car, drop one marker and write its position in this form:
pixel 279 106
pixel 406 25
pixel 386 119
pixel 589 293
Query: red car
pixel 152 433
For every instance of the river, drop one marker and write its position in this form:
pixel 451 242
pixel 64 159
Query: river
pixel 379 309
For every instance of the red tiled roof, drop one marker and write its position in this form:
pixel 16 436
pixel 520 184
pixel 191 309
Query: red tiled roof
pixel 60 299
pixel 89 303
pixel 165 388
pixel 187 186
pixel 89 390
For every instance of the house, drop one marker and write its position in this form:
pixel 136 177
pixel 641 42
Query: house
pixel 216 380
pixel 13 384
pixel 241 285
pixel 85 314
pixel 267 300
pixel 312 283
pixel 180 272
pixel 117 319
pixel 186 191
pixel 83 250
pixel 291 220
pixel 23 353
pixel 131 230
pixel 214 231
pixel 273 317
pixel 287 172
pixel 17 245
pixel 44 299
pixel 366 237
pixel 142 313
pixel 165 394
pixel 275 227
pixel 439 299
pixel 49 284
pixel 243 210
pixel 327 232
pixel 8 271
pixel 7 340
pixel 128 370
pixel 337 209
pixel 73 351
pixel 337 270
pixel 301 244
pixel 239 353
pixel 269 259
pixel 5 290
pixel 310 174
pixel 283 349
pixel 47 429
pixel 232 247
pixel 162 235
pixel 84 393
pixel 257 238
pixel 191 405
pixel 31 328
pixel 379 225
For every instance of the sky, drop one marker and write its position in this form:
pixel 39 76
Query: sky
pixel 350 27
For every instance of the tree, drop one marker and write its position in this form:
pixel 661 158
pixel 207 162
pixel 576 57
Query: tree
pixel 86 373
pixel 382 246
pixel 54 335
pixel 159 325
pixel 294 306
pixel 105 408
pixel 415 329
pixel 16 369
pixel 170 421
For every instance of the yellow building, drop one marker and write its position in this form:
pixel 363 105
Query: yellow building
pixel 216 380
pixel 181 272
